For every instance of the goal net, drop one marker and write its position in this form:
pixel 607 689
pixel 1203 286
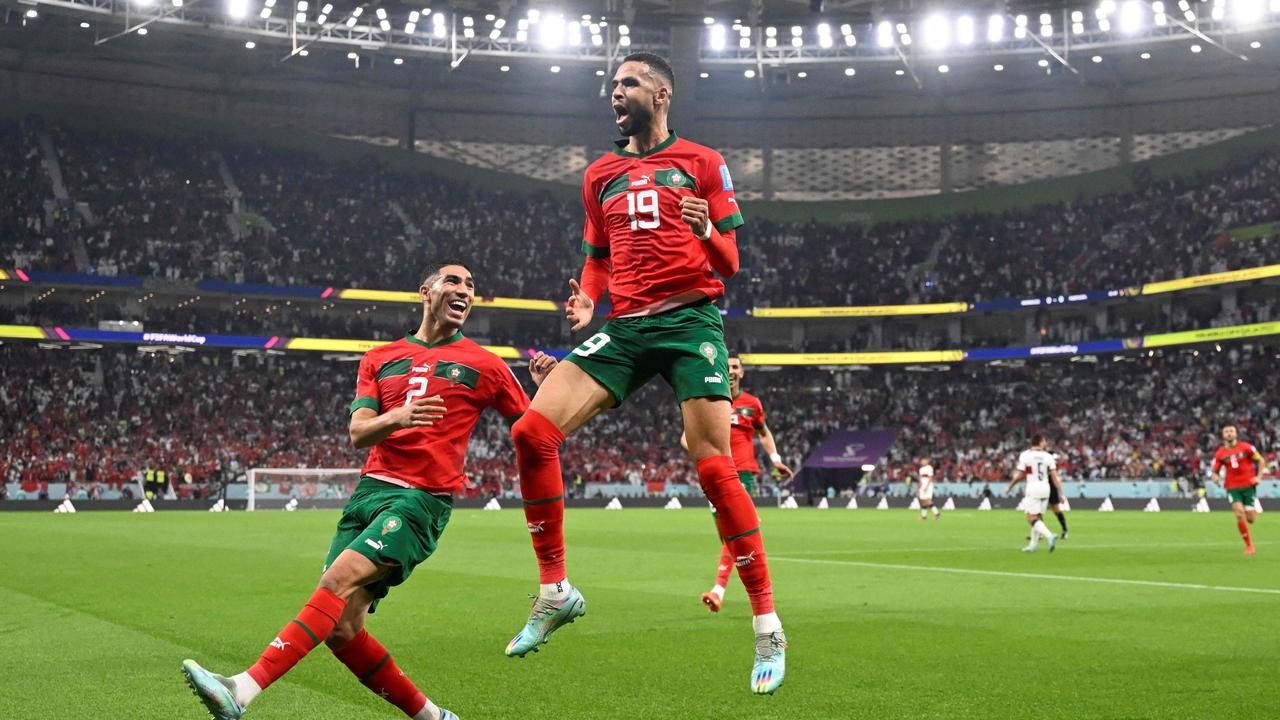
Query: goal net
pixel 307 487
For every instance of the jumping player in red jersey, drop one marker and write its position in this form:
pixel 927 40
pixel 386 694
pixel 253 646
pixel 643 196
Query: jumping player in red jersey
pixel 1238 457
pixel 660 218
pixel 746 423
pixel 397 513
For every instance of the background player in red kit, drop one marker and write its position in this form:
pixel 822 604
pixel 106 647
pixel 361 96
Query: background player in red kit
pixel 394 519
pixel 660 218
pixel 1238 457
pixel 746 423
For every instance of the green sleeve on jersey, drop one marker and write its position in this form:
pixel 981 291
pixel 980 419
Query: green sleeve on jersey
pixel 729 223
pixel 365 402
pixel 395 368
pixel 600 253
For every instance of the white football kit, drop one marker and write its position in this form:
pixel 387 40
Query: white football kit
pixel 1036 465
pixel 925 492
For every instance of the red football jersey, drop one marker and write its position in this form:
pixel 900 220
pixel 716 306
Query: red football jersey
pixel 632 204
pixel 466 376
pixel 1238 460
pixel 746 419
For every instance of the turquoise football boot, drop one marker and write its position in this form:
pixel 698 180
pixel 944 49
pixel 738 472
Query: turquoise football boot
pixel 771 663
pixel 213 690
pixel 545 618
pixel 446 715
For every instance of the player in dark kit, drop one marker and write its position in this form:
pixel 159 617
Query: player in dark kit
pixel 660 218
pixel 1235 459
pixel 398 512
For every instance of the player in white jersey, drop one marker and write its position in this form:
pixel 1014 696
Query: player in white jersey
pixel 1040 471
pixel 924 491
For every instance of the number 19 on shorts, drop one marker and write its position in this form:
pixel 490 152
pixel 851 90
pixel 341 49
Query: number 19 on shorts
pixel 641 204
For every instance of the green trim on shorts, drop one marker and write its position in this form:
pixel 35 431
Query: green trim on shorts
pixel 685 346
pixel 748 480
pixel 393 527
pixel 1245 496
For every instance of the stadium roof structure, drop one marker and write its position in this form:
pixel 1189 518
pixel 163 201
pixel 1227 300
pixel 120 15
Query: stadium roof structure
pixel 754 45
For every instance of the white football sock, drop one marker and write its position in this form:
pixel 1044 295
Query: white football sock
pixel 1043 529
pixel 718 591
pixel 766 623
pixel 1035 538
pixel 244 689
pixel 924 512
pixel 428 712
pixel 555 591
pixel 935 510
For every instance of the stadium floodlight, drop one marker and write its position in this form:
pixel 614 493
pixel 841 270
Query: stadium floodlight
pixel 1196 48
pixel 398 61
pixel 1189 15
pixel 944 69
pixel 771 31
pixel 300 18
pixel 744 31
pixel 177 3
pixel 575 34
pixel 964 30
pixel 504 68
pixel 490 17
pixel 901 28
pixel 468 33
pixel 1157 9
pixel 237 8
pixel 867 468
pixel 850 72
pixel 1218 12
pixel 1046 25
pixel 717 32
pixel 744 42
pixel 995 28
pixel 1255 45
pixel 1275 6
pixel 1077 28
pixel 884 34
pixel 936 32
pixel 1130 17
pixel 1020 27
pixel 304 52
pixel 624 41
pixel 1145 56
pixel 1104 25
pixel 850 40
pixel 522 24
pixel 385 25
pixel 748 74
pixel 905 39
pixel 438 27
pixel 824 29
pixel 998 67
pixel 802 74
pixel 796 31
pixel 708 20
pixel 846 29
pixel 85 26
pixel 322 19
pixel 141 31
pixel 555 68
pixel 599 73
pixel 899 72
pixel 1248 11
pixel 1096 59
pixel 771 42
pixel 551 31
pixel 704 75
pixel 1042 63
pixel 249 45
pixel 797 42
pixel 534 16
pixel 382 13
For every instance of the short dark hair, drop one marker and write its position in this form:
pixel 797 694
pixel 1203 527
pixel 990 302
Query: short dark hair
pixel 657 64
pixel 432 271
pixel 1037 439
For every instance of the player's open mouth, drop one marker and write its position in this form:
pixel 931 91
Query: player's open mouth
pixel 458 306
pixel 621 112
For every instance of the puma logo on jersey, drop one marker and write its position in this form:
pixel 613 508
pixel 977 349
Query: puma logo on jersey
pixel 743 560
pixel 536 528
pixel 279 644
pixel 644 180
pixel 375 544
pixel 717 378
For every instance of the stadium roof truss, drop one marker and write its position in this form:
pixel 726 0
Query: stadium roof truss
pixel 457 36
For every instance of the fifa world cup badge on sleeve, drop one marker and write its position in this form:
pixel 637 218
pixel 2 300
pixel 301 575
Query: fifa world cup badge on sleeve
pixel 726 182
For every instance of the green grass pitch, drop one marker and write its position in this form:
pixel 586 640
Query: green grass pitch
pixel 887 617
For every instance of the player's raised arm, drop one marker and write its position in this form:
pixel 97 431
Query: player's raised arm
pixel 722 248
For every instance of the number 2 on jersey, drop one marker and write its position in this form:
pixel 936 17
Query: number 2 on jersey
pixel 418 389
pixel 645 201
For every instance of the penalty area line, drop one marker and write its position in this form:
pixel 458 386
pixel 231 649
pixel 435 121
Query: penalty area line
pixel 1033 576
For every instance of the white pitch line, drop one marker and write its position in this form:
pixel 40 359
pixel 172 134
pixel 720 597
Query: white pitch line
pixel 1034 576
pixel 1075 547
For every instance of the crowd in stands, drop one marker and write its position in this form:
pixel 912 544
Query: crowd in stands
pixel 100 418
pixel 162 209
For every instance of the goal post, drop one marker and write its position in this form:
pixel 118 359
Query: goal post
pixel 305 484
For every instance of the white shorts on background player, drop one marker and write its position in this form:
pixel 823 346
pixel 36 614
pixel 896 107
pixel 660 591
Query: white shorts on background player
pixel 1034 505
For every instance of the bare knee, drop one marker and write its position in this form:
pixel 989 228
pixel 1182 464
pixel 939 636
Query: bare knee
pixel 350 572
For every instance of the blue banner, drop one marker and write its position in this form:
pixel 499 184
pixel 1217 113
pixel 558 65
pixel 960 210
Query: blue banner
pixel 83 279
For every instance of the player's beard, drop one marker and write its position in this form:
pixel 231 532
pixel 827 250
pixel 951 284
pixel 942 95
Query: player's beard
pixel 639 120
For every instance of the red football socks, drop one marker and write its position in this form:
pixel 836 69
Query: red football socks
pixel 1244 532
pixel 739 527
pixel 725 569
pixel 298 638
pixel 537 442
pixel 369 661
